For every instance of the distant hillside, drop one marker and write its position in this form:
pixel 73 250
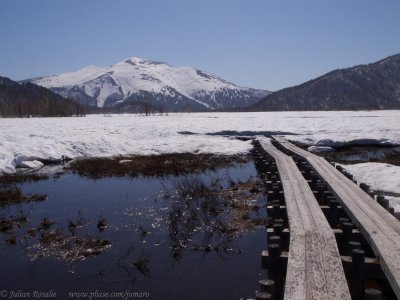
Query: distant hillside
pixel 372 86
pixel 27 99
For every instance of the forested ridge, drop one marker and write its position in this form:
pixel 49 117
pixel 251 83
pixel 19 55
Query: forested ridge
pixel 30 100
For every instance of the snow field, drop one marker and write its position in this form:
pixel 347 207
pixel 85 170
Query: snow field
pixel 25 142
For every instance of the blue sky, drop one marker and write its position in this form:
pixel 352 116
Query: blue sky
pixel 262 44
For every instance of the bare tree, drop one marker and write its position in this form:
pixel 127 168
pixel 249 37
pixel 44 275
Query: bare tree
pixel 146 106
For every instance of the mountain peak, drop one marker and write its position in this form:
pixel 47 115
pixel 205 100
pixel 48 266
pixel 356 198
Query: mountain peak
pixel 141 61
pixel 133 79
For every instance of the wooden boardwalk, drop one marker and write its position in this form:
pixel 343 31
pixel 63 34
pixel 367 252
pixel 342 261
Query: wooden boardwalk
pixel 379 228
pixel 314 268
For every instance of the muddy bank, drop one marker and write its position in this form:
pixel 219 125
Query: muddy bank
pixel 354 154
pixel 360 154
pixel 10 192
pixel 8 179
pixel 154 165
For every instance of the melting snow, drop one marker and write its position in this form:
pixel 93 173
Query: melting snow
pixel 379 176
pixel 53 138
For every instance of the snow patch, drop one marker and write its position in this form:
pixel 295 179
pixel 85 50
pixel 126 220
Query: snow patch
pixel 378 176
pixel 33 164
pixel 394 201
pixel 124 161
pixel 24 161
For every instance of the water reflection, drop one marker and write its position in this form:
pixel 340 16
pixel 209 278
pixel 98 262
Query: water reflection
pixel 124 233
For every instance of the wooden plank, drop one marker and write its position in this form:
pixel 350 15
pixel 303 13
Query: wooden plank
pixel 378 226
pixel 316 160
pixel 314 268
pixel 341 184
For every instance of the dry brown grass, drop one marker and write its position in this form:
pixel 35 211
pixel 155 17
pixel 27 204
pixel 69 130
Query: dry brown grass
pixel 361 154
pixel 10 224
pixel 68 247
pixel 241 197
pixel 20 178
pixel 218 213
pixel 49 240
pixel 392 158
pixel 10 193
pixel 14 195
pixel 154 165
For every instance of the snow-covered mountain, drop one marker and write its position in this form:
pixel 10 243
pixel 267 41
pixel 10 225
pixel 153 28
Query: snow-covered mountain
pixel 139 80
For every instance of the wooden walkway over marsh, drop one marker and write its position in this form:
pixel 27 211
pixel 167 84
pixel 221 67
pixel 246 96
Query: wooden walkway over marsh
pixel 379 228
pixel 314 268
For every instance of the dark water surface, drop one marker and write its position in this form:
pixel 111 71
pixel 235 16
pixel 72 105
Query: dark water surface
pixel 138 226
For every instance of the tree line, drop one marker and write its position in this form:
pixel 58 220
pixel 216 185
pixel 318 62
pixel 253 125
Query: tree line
pixel 30 100
pixel 132 106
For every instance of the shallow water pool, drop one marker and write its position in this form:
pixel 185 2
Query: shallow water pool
pixel 161 244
